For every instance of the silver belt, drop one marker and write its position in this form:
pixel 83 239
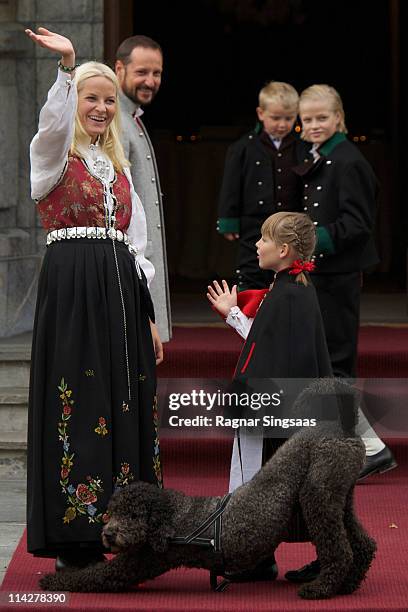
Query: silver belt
pixel 67 233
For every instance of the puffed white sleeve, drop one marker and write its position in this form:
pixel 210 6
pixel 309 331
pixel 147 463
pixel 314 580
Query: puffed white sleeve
pixel 137 231
pixel 239 321
pixel 50 146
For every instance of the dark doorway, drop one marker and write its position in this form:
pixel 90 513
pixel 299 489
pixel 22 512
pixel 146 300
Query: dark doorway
pixel 218 54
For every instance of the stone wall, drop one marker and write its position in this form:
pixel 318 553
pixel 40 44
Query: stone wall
pixel 26 73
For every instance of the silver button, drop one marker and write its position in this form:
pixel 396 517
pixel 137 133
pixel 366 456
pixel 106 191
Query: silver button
pixel 315 223
pixel 279 154
pixel 153 179
pixel 279 187
pixel 305 197
pixel 237 271
pixel 260 202
pixel 157 202
pixel 148 157
pixel 306 185
pixel 259 182
pixel 158 226
pixel 140 133
pixel 279 203
pixel 319 187
pixel 305 208
pixel 315 204
pixel 321 255
pixel 250 137
pixel 306 160
pixel 278 169
pixel 328 162
pixel 257 163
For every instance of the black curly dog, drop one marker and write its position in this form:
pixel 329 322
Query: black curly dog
pixel 318 470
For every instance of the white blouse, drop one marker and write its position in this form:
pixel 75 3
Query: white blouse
pixel 49 151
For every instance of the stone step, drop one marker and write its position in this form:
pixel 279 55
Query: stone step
pixel 13 410
pixel 13 461
pixel 14 365
pixel 13 455
pixel 13 432
pixel 13 440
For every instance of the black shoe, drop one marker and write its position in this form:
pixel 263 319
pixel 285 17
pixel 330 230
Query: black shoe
pixel 307 573
pixel 267 570
pixel 378 463
pixel 77 560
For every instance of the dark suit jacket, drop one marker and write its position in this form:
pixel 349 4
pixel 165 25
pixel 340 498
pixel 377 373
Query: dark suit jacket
pixel 248 193
pixel 339 194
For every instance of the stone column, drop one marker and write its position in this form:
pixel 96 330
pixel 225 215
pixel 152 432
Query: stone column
pixel 26 73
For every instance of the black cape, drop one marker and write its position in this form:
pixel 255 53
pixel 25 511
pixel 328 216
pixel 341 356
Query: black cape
pixel 287 338
pixel 286 341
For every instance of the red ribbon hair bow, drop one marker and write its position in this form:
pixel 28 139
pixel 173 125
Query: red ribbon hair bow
pixel 299 266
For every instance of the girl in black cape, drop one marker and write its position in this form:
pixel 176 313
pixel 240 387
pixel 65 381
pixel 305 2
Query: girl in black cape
pixel 283 330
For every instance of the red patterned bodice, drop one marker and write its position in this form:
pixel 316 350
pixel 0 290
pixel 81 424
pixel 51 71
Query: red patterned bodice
pixel 77 201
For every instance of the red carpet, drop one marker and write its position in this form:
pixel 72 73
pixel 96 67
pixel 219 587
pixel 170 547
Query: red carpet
pixel 200 467
pixel 199 352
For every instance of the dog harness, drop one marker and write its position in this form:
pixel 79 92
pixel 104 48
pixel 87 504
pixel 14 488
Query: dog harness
pixel 194 538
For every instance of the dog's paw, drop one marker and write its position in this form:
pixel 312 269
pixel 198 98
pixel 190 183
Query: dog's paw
pixel 315 590
pixel 52 582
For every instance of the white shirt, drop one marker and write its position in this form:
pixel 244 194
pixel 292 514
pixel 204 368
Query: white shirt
pixel 276 141
pixel 315 153
pixel 49 151
pixel 239 321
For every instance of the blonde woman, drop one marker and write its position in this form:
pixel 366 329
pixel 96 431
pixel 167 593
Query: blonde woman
pixel 92 409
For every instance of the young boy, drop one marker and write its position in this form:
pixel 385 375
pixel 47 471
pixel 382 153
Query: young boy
pixel 258 180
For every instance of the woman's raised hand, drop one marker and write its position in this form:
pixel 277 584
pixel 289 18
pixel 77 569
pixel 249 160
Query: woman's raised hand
pixel 221 297
pixel 54 42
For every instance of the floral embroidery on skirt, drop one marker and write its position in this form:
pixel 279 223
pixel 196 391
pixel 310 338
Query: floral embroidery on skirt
pixel 81 499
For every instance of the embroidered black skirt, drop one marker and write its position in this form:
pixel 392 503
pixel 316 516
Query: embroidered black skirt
pixel 85 435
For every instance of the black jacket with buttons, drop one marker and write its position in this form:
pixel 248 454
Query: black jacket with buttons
pixel 339 195
pixel 251 189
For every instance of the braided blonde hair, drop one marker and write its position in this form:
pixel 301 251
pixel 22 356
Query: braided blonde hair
pixel 295 229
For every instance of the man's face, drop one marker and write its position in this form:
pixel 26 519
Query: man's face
pixel 140 79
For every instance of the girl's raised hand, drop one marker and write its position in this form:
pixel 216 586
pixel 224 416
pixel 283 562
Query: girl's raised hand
pixel 54 42
pixel 221 297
